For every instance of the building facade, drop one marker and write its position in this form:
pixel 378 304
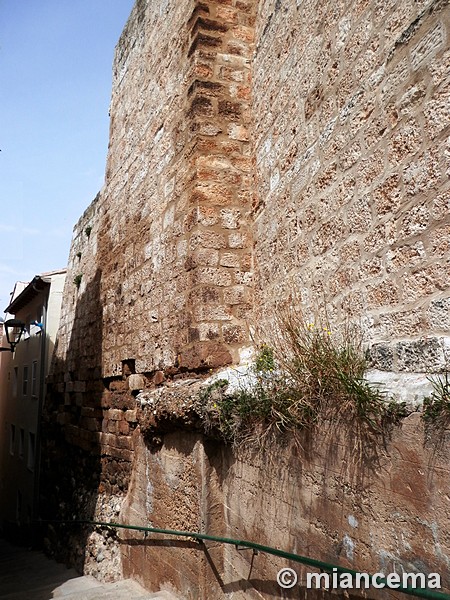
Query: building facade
pixel 23 372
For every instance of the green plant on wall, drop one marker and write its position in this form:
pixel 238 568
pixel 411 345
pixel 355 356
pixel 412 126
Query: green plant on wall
pixel 436 407
pixel 306 376
pixel 77 280
pixel 88 230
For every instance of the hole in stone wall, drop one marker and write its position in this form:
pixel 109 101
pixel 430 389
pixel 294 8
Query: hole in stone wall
pixel 128 367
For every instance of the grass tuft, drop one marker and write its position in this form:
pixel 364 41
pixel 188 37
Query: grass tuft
pixel 308 374
pixel 436 407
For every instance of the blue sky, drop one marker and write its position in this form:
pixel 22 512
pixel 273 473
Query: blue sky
pixel 55 87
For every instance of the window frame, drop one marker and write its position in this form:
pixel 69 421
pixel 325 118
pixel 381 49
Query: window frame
pixel 25 375
pixel 15 382
pixel 21 442
pixel 34 377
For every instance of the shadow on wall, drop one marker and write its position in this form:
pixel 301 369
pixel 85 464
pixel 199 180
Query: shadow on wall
pixel 19 468
pixel 251 585
pixel 72 418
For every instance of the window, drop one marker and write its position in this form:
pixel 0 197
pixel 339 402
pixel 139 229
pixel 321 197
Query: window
pixel 25 381
pixel 34 368
pixel 31 451
pixel 15 380
pixel 36 324
pixel 21 442
pixel 12 438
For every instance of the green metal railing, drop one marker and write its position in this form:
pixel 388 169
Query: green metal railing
pixel 310 562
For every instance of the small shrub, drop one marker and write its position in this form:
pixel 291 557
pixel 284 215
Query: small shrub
pixel 88 230
pixel 77 280
pixel 78 254
pixel 436 407
pixel 265 360
pixel 308 374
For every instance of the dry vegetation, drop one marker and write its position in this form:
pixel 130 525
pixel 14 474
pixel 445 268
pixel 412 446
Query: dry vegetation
pixel 306 375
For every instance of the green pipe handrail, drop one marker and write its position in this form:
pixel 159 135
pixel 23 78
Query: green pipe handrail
pixel 311 562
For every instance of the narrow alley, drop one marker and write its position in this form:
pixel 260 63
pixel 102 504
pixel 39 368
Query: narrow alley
pixel 30 575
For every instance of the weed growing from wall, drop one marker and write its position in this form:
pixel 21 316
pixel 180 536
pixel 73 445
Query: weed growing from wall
pixel 307 375
pixel 436 407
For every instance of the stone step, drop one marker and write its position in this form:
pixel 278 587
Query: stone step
pixel 78 585
pixel 79 589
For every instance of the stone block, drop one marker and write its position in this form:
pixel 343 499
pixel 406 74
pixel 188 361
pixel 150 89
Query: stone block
pixel 115 414
pixel 205 257
pixel 124 428
pixel 439 314
pixel 439 240
pixel 429 44
pixel 212 313
pixel 235 295
pixel 118 385
pixel 422 173
pixel 136 382
pixel 208 239
pixel 92 424
pixel 234 334
pixel 159 378
pixel 387 195
pixel 424 355
pixel 213 276
pixel 205 355
pixel 112 427
pixel 381 356
pixel 130 416
pixel 208 331
pixel 63 418
pixel 79 386
pixel 382 294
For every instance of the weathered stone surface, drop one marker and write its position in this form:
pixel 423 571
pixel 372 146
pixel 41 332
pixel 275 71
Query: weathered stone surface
pixel 340 515
pixel 260 151
pixel 136 382
pixel 374 137
pixel 205 356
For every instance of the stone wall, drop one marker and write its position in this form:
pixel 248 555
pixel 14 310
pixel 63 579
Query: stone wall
pixel 304 141
pixel 160 264
pixel 387 512
pixel 351 113
pixel 169 230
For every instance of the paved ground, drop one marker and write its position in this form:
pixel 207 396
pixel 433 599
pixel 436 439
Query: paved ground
pixel 28 575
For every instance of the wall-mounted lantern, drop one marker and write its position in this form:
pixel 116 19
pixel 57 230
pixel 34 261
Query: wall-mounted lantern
pixel 14 329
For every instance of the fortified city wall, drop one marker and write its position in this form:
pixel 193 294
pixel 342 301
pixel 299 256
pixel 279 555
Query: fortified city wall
pixel 259 151
pixel 351 144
